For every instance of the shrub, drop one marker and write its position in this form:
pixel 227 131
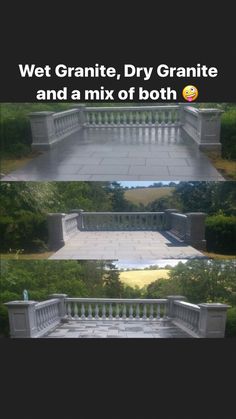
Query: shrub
pixel 228 134
pixel 4 322
pixel 220 234
pixel 230 330
pixel 26 231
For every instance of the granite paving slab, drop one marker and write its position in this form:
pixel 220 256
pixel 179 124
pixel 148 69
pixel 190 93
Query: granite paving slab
pixel 130 153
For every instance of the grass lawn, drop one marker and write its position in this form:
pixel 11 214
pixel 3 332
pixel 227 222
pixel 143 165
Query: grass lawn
pixel 147 195
pixel 226 167
pixel 142 277
pixel 26 256
pixel 7 165
pixel 218 256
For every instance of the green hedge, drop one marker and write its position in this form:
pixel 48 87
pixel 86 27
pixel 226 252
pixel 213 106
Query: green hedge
pixel 26 231
pixel 228 134
pixel 230 330
pixel 220 234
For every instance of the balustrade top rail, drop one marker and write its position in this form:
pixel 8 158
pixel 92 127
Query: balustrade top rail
pixel 118 300
pixel 131 108
pixel 188 306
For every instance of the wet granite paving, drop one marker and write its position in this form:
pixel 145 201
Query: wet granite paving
pixel 120 153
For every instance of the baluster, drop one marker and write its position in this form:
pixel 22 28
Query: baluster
pixel 39 319
pixel 131 118
pixel 124 311
pixel 93 118
pixel 158 311
pixel 117 311
pixel 124 118
pixel 103 311
pixel 112 118
pixel 151 312
pixel 96 312
pixel 69 310
pixel 110 311
pixel 144 311
pixel 90 316
pixel 165 311
pixel 143 118
pixel 99 118
pixel 105 118
pixel 82 311
pixel 137 118
pixel 150 116
pixel 131 311
pixel 137 312
pixel 118 118
pixel 170 117
pixel 75 310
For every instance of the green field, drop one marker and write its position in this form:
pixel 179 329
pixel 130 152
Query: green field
pixel 142 278
pixel 147 195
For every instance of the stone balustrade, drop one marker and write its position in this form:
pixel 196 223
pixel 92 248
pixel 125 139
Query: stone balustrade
pixel 129 116
pixel 30 319
pixel 203 126
pixel 115 308
pixel 123 221
pixel 188 228
pixel 200 125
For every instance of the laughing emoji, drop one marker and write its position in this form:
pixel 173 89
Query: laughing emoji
pixel 190 93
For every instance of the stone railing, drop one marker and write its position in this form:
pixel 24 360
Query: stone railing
pixel 200 125
pixel 129 116
pixel 61 227
pixel 33 319
pixel 123 221
pixel 203 126
pixel 30 319
pixel 188 228
pixel 115 308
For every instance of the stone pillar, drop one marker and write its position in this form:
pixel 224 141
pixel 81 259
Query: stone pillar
pixel 195 234
pixel 82 116
pixel 22 318
pixel 170 304
pixel 56 230
pixel 212 320
pixel 167 222
pixel 62 307
pixel 43 130
pixel 209 129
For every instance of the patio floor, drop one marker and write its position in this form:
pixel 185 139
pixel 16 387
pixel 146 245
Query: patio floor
pixel 118 329
pixel 120 153
pixel 125 245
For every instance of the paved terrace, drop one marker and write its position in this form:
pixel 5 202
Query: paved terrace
pixel 136 245
pixel 63 317
pixel 128 143
pixel 118 329
pixel 127 235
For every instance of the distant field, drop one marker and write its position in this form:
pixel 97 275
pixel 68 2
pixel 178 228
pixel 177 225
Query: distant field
pixel 147 195
pixel 142 278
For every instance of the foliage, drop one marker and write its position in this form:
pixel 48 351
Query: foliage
pixel 221 234
pixel 228 134
pixel 230 330
pixel 209 197
pixel 15 127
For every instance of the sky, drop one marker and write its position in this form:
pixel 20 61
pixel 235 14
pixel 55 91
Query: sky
pixel 144 183
pixel 161 263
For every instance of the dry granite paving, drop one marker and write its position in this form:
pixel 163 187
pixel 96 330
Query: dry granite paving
pixel 118 329
pixel 120 153
pixel 125 245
